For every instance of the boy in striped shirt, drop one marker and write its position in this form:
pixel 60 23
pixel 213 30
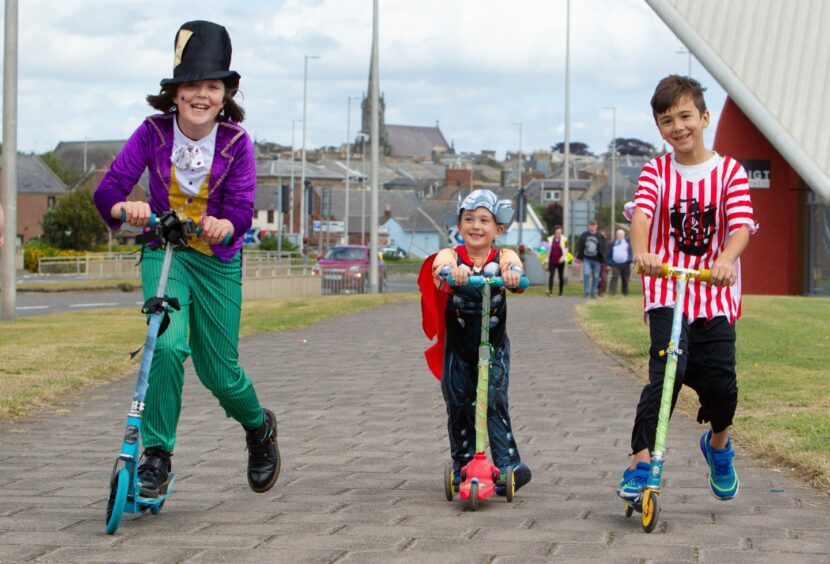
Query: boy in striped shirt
pixel 692 209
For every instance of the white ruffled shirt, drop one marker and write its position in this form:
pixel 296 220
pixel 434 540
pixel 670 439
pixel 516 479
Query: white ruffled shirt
pixel 192 159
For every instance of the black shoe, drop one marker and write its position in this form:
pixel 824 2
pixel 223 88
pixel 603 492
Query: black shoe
pixel 154 472
pixel 263 454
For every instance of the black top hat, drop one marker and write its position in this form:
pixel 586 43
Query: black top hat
pixel 202 52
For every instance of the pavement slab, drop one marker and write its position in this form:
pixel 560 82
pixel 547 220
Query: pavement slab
pixel 362 434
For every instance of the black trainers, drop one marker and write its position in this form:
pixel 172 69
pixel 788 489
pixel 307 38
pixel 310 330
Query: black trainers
pixel 154 472
pixel 263 454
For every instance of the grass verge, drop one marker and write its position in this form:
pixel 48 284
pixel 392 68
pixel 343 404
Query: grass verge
pixel 783 374
pixel 96 284
pixel 48 358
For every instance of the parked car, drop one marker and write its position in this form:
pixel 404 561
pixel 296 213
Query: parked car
pixel 345 270
pixel 393 251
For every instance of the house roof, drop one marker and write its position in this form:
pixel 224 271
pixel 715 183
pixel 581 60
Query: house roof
pixel 414 140
pixel 770 58
pixel 282 169
pixel 34 177
pixel 98 153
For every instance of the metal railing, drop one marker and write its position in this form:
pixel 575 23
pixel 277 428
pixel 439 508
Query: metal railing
pixel 96 265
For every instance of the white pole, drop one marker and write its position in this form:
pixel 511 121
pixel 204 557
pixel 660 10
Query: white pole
pixel 9 161
pixel 303 211
pixel 566 205
pixel 348 168
pixel 291 191
pixel 363 191
pixel 375 131
pixel 613 167
pixel 521 187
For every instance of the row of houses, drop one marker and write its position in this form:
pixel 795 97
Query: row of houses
pixel 417 200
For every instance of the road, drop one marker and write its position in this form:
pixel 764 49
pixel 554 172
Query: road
pixel 40 303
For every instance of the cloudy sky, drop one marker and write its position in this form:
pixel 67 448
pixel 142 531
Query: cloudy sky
pixel 478 67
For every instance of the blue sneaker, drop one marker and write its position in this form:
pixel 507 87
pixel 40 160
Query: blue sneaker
pixel 634 482
pixel 723 481
pixel 521 476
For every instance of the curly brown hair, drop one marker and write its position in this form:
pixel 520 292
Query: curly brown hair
pixel 164 102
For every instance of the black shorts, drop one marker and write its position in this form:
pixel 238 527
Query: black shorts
pixel 707 365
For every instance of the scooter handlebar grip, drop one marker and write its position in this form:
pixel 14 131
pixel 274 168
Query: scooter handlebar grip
pixel 152 221
pixel 705 274
pixel 225 242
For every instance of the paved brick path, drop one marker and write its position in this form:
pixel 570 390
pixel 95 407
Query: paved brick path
pixel 363 440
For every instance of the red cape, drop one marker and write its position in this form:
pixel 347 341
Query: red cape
pixel 433 306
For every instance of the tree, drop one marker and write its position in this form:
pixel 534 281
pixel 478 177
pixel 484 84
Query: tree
pixel 73 222
pixel 69 176
pixel 271 243
pixel 603 216
pixel 576 148
pixel 552 216
pixel 633 147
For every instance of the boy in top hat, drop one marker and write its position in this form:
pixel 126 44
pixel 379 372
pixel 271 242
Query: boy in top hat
pixel 454 316
pixel 691 209
pixel 201 164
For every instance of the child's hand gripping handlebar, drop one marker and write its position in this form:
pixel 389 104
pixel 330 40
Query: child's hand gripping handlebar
pixel 150 223
pixel 479 281
pixel 676 271
pixel 225 242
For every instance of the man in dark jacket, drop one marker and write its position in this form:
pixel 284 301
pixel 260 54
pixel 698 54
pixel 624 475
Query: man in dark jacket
pixel 591 252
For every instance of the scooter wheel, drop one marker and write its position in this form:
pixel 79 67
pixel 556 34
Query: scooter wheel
pixel 118 498
pixel 474 496
pixel 651 510
pixel 156 509
pixel 509 484
pixel 629 510
pixel 449 487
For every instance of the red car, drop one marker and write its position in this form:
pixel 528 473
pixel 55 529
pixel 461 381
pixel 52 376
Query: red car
pixel 345 270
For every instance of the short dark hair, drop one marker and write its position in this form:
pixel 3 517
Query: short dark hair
pixel 555 227
pixel 671 89
pixel 164 102
pixel 592 222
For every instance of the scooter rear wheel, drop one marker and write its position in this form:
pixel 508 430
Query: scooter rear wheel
pixel 509 484
pixel 449 486
pixel 118 498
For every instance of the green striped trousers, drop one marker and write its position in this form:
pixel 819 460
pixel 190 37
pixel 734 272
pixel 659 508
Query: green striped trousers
pixel 210 294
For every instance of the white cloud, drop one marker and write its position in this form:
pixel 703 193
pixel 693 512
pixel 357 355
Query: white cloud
pixel 476 66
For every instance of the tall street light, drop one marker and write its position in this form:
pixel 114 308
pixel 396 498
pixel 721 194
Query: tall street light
pixel 613 167
pixel 9 308
pixel 303 211
pixel 566 207
pixel 348 168
pixel 686 52
pixel 375 148
pixel 363 139
pixel 520 193
pixel 293 187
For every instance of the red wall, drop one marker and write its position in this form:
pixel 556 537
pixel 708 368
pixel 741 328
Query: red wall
pixel 773 262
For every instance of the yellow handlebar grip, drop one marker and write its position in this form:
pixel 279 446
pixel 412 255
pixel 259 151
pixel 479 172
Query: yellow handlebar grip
pixel 705 274
pixel 664 270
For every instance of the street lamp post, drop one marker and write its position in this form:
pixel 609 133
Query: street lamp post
pixel 375 149
pixel 520 193
pixel 566 207
pixel 686 52
pixel 348 167
pixel 291 191
pixel 363 139
pixel 613 167
pixel 303 211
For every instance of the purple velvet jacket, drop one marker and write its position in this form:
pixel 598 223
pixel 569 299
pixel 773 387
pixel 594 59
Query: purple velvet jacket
pixel 231 189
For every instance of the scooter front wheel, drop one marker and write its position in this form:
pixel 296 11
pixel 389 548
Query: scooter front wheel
pixel 118 498
pixel 474 496
pixel 651 510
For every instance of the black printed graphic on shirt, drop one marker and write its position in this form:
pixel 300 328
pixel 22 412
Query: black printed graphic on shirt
pixel 693 227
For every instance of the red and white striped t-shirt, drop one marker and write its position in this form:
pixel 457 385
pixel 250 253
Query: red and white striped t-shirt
pixel 691 222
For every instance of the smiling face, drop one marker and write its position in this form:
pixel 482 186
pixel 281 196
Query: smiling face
pixel 682 127
pixel 198 104
pixel 479 229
